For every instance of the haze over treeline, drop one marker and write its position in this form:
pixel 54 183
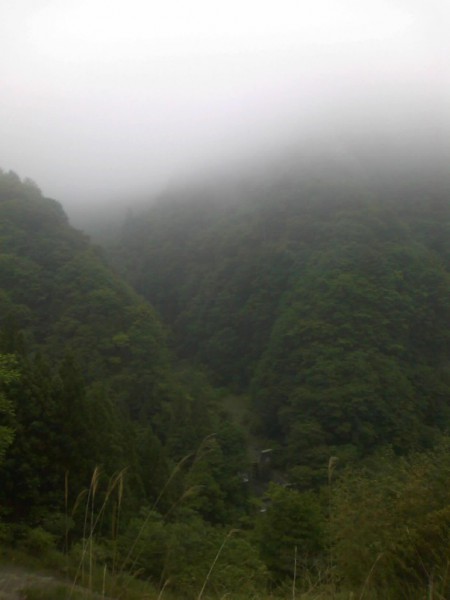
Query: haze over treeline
pixel 104 102
pixel 281 376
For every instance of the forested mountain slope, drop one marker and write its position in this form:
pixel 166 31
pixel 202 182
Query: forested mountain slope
pixel 325 301
pixel 96 384
pixel 57 290
pixel 325 294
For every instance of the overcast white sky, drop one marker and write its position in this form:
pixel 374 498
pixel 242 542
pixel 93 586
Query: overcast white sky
pixel 98 97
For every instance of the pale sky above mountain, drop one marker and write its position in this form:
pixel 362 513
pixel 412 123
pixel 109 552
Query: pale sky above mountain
pixel 100 98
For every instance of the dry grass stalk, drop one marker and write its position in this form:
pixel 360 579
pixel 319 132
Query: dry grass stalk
pixel 213 564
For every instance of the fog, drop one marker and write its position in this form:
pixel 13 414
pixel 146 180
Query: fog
pixel 106 100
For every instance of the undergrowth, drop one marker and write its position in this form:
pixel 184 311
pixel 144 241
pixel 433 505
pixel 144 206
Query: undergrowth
pixel 386 527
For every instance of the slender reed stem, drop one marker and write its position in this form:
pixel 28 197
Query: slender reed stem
pixel 216 558
pixel 295 573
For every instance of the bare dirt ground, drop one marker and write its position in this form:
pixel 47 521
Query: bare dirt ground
pixel 15 579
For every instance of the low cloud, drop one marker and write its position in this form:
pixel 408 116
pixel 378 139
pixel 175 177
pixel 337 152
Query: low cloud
pixel 103 99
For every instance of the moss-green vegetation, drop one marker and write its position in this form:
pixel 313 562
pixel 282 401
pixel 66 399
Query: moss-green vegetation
pixel 275 428
pixel 325 299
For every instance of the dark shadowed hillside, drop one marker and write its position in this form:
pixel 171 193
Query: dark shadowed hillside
pixel 313 310
pixel 323 292
pixel 88 386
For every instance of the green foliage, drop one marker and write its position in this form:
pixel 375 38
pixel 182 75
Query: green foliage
pixel 290 529
pixel 216 475
pixel 58 436
pixel 325 302
pixel 180 554
pixel 391 523
pixel 59 293
pixel 98 395
pixel 349 352
pixel 327 299
pixel 38 541
pixel 143 544
pixel 8 375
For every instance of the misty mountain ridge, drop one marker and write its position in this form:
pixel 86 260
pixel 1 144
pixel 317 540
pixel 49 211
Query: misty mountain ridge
pixel 380 162
pixel 307 315
pixel 349 154
pixel 225 343
pixel 285 287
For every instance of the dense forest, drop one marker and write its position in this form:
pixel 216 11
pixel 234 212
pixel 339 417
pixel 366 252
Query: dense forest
pixel 325 300
pixel 244 393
